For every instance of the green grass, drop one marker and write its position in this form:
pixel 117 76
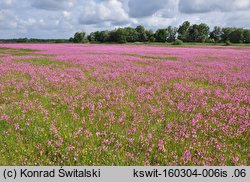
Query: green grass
pixel 17 52
pixel 43 61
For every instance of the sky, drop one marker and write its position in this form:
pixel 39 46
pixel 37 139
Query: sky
pixel 62 18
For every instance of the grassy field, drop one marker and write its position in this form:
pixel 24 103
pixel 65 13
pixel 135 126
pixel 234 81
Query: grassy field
pixel 86 104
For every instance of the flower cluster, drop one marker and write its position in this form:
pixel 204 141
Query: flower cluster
pixel 68 104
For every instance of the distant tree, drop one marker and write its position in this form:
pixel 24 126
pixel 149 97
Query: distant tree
pixel 226 33
pixel 71 39
pixel 171 33
pixel 203 32
pixel 142 37
pixel 198 33
pixel 183 31
pixel 140 29
pixel 193 33
pixel 112 36
pixel 216 34
pixel 246 36
pixel 79 37
pixel 236 36
pixel 186 32
pixel 150 35
pixel 96 35
pixel 120 36
pixel 161 35
pixel 22 40
pixel 58 41
pixel 104 36
pixel 91 37
pixel 131 34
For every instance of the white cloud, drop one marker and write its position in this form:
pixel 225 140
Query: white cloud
pixel 53 4
pixel 66 14
pixel 6 3
pixel 204 6
pixel 61 18
pixel 8 20
pixel 99 12
pixel 242 4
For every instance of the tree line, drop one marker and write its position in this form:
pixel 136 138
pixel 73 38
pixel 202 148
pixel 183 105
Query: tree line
pixel 32 40
pixel 186 32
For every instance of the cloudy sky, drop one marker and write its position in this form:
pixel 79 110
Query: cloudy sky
pixel 61 18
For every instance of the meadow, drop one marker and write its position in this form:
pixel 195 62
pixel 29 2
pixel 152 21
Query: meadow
pixel 87 104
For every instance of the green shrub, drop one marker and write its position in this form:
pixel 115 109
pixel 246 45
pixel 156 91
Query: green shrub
pixel 177 42
pixel 228 43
